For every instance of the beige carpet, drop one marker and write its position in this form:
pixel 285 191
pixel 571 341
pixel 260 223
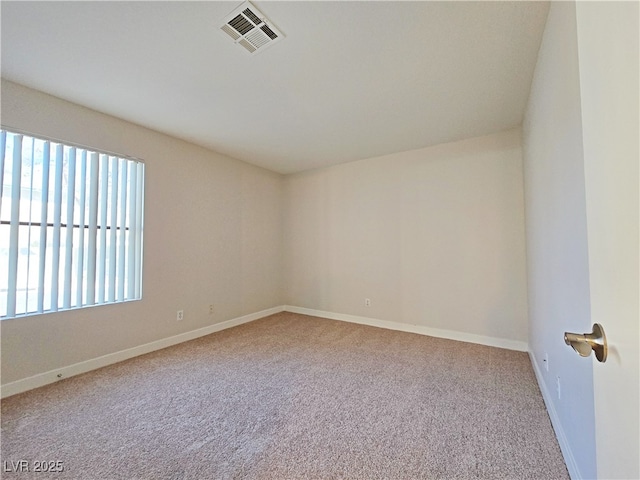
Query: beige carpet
pixel 293 397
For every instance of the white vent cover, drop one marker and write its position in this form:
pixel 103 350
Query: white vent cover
pixel 249 28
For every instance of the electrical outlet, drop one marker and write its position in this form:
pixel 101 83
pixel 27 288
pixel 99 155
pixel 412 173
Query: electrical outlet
pixel 367 302
pixel 546 361
pixel 211 309
pixel 558 388
pixel 180 315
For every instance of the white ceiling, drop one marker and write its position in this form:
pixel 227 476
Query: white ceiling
pixel 351 80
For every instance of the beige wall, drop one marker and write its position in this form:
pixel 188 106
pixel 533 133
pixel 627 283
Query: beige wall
pixel 434 237
pixel 558 263
pixel 213 234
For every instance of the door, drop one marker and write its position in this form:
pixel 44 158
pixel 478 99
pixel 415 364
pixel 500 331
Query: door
pixel 609 82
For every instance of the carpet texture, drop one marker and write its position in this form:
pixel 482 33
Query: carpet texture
pixel 292 397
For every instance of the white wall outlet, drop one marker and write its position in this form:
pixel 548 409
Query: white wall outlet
pixel 367 302
pixel 558 388
pixel 180 315
pixel 546 361
pixel 211 309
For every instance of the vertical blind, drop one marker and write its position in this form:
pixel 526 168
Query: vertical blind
pixel 71 224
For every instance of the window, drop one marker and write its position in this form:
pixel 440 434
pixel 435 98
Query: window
pixel 70 226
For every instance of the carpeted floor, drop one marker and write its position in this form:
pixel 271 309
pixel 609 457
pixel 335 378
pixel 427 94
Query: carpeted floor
pixel 292 397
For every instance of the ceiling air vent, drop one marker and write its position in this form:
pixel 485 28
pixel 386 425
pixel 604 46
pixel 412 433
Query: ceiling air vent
pixel 250 29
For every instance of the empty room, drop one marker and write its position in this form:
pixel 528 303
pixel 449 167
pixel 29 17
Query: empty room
pixel 286 240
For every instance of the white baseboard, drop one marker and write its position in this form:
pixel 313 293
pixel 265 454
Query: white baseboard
pixel 57 374
pixel 567 453
pixel 420 329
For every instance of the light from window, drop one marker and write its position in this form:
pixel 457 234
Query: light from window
pixel 70 226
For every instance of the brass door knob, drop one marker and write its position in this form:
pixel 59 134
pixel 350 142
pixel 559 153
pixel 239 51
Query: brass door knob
pixel 584 343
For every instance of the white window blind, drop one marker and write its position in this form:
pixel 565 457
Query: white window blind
pixel 71 225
